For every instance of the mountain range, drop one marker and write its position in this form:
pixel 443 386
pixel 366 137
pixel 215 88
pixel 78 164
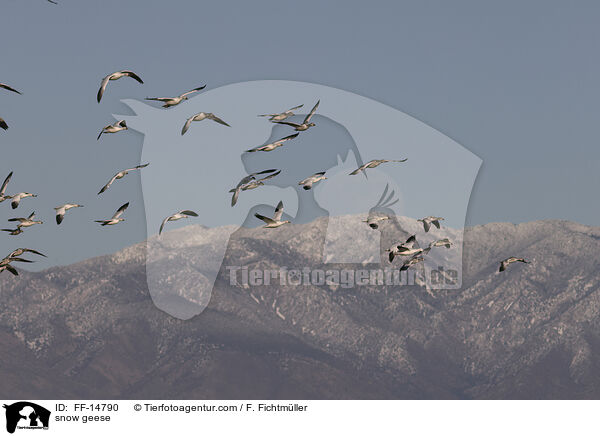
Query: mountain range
pixel 91 330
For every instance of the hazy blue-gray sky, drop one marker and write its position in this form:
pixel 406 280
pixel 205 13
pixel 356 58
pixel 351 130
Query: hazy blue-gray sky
pixel 514 82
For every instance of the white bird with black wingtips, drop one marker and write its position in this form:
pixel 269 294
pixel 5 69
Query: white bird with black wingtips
pixel 120 175
pixel 310 181
pixel 16 199
pixel 272 223
pixel 26 222
pixel 373 164
pixel 116 76
pixel 282 115
pixel 116 218
pixel 113 128
pixel 306 124
pixel 200 116
pixel 441 243
pixel 250 182
pixel 429 220
pixel 174 101
pixel 60 211
pixel 177 216
pixel 273 145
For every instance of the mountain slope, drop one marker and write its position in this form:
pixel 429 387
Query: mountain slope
pixel 91 330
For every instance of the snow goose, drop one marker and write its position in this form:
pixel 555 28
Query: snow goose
pixel 116 218
pixel 120 175
pixel 306 124
pixel 373 164
pixel 26 222
pixel 310 181
pixel 177 216
pixel 250 182
pixel 199 117
pixel 174 101
pixel 114 128
pixel 276 221
pixel 272 145
pixel 116 76
pixel 429 220
pixel 504 264
pixel 282 115
pixel 16 199
pixel 60 211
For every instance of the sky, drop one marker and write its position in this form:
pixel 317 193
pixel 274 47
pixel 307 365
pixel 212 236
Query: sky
pixel 513 82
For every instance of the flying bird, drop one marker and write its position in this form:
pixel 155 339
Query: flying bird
pixel 174 101
pixel 3 85
pixel 113 128
pixel 441 243
pixel 251 182
pixel 16 199
pixel 120 175
pixel 3 196
pixel 272 145
pixel 385 201
pixel 415 260
pixel 373 164
pixel 60 211
pixel 504 264
pixel 116 218
pixel 3 124
pixel 26 222
pixel 276 221
pixel 177 216
pixel 408 248
pixel 374 220
pixel 306 124
pixel 429 220
pixel 115 76
pixel 202 116
pixel 282 115
pixel 310 181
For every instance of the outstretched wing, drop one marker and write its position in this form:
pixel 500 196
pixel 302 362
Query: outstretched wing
pixel 103 87
pixel 3 124
pixel 5 86
pixel 187 124
pixel 3 188
pixel 132 75
pixel 110 182
pixel 266 219
pixel 120 211
pixel 191 91
pixel 189 213
pixel 139 167
pixel 288 123
pixel 60 215
pixel 30 250
pixel 215 118
pixel 162 225
pixel 359 169
pixel 312 112
pixel 278 211
pixel 270 176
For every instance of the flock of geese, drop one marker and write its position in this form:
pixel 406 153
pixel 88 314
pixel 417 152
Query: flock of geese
pixel 409 250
